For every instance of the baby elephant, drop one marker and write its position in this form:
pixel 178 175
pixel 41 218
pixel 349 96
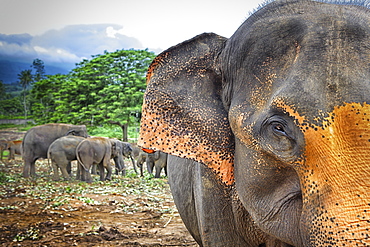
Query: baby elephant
pixel 152 159
pixel 61 152
pixel 95 151
pixel 119 151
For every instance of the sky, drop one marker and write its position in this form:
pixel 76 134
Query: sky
pixel 66 31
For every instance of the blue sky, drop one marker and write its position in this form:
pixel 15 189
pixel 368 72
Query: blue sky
pixel 66 31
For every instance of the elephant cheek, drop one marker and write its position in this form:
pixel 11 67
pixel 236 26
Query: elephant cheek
pixel 335 179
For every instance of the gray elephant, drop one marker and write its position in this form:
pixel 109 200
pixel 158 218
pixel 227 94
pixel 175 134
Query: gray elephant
pixel 121 150
pixel 61 152
pixel 268 131
pixel 152 159
pixel 14 147
pixel 37 140
pixel 96 151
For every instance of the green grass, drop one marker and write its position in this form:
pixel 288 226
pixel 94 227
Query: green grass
pixel 114 132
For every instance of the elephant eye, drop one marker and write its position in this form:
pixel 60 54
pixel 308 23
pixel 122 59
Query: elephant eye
pixel 279 129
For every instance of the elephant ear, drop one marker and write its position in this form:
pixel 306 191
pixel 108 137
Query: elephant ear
pixel 183 114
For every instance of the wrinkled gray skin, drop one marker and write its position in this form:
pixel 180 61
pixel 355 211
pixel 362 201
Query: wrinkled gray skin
pixel 14 147
pixel 95 151
pixel 285 103
pixel 38 139
pixel 157 160
pixel 61 152
pixel 203 199
pixel 125 149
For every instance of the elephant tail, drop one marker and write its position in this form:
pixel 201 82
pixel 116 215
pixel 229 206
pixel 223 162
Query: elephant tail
pixel 78 154
pixel 48 155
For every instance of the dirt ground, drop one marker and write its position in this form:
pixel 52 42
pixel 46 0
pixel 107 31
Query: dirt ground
pixel 127 211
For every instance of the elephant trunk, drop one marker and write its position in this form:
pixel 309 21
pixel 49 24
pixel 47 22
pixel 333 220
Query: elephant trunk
pixel 335 180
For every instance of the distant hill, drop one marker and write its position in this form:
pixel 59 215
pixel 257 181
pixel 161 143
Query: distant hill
pixel 9 70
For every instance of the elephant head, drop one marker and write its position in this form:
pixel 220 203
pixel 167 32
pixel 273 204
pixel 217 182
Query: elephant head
pixel 280 112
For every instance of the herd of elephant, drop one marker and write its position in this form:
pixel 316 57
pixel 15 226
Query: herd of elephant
pixel 63 143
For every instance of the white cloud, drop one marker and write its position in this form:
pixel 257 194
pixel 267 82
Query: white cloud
pixel 111 32
pixel 40 49
pixel 55 55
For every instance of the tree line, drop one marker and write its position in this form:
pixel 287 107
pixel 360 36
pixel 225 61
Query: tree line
pixel 106 89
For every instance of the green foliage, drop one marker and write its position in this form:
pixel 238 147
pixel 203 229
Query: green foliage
pixel 106 131
pixel 113 131
pixel 11 107
pixel 106 90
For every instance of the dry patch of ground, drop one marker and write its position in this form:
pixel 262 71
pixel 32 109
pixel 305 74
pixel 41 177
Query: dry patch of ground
pixel 127 211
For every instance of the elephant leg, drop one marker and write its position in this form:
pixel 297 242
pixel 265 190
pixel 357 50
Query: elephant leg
pixel 93 169
pixel 69 168
pixel 120 166
pixel 85 174
pixel 101 171
pixel 203 203
pixel 11 154
pixel 33 168
pixel 149 166
pixel 140 165
pixel 79 171
pixel 29 166
pixel 123 172
pixel 158 170
pixel 55 171
pixel 108 167
pixel 66 170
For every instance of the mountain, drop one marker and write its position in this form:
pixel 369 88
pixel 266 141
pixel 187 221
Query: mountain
pixel 9 70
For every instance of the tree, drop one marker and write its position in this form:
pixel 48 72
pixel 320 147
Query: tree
pixel 107 89
pixel 45 94
pixel 38 65
pixel 25 79
pixel 115 84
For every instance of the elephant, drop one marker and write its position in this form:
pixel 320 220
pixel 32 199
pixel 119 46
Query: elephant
pixel 14 147
pixel 61 152
pixel 95 151
pixel 135 151
pixel 37 140
pixel 153 159
pixel 121 150
pixel 268 131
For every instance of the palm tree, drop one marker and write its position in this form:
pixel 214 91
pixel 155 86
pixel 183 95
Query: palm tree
pixel 25 79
